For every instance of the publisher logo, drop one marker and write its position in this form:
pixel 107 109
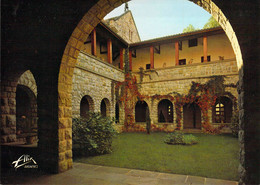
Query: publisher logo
pixel 25 161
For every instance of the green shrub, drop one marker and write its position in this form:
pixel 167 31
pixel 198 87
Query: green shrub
pixel 235 123
pixel 177 137
pixel 92 135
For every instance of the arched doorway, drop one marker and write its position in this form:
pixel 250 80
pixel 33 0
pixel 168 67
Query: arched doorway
pixel 140 111
pixel 191 116
pixel 222 110
pixel 86 105
pixel 104 107
pixel 26 115
pixel 165 111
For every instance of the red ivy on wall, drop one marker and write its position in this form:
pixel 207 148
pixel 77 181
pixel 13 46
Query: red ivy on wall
pixel 204 95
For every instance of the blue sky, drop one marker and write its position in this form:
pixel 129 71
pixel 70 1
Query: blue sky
pixel 158 18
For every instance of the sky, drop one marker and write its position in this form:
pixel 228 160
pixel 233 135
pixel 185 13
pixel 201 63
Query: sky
pixel 159 18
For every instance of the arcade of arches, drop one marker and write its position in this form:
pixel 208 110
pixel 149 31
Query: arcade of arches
pixel 52 66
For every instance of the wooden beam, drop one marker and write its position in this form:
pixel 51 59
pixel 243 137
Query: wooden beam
pixel 176 53
pixel 121 58
pixel 130 60
pixel 151 57
pixel 94 42
pixel 109 51
pixel 205 49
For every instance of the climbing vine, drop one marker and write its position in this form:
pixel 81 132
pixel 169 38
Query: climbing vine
pixel 204 95
pixel 129 95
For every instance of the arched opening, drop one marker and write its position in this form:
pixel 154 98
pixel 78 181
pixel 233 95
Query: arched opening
pixel 165 111
pixel 117 112
pixel 140 111
pixel 86 105
pixel 104 107
pixel 26 115
pixel 191 116
pixel 222 110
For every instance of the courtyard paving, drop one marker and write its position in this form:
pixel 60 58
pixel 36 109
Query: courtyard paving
pixel 102 175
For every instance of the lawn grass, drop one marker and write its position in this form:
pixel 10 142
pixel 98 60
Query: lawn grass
pixel 215 156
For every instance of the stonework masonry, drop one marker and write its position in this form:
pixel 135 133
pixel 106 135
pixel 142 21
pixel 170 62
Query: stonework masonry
pixel 179 79
pixel 124 26
pixel 97 79
pixel 28 80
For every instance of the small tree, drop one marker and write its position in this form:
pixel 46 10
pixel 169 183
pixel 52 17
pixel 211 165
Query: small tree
pixel 148 121
pixel 212 23
pixel 189 28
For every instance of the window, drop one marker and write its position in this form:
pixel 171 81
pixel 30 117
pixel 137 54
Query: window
pixel 193 42
pixel 220 112
pixel 148 66
pixel 180 45
pixel 208 59
pixel 182 62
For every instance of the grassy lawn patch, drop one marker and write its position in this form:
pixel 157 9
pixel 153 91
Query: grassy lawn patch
pixel 215 156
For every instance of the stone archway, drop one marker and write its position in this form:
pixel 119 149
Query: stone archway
pixel 191 116
pixel 86 105
pixel 222 110
pixel 140 111
pixel 26 114
pixel 165 111
pixel 93 17
pixel 105 107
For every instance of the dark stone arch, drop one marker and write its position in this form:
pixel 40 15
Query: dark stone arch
pixel 140 111
pixel 165 111
pixel 105 107
pixel 26 114
pixel 222 110
pixel 86 105
pixel 191 116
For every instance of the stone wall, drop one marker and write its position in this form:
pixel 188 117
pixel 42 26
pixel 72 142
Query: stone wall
pixel 96 79
pixel 179 79
pixel 8 107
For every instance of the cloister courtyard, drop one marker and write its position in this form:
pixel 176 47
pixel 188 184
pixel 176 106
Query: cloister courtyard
pixel 85 101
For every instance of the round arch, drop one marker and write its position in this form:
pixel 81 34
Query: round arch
pixel 140 111
pixel 86 105
pixel 105 107
pixel 165 111
pixel 26 113
pixel 222 110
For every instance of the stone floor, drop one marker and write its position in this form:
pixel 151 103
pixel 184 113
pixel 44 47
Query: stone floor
pixel 101 175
